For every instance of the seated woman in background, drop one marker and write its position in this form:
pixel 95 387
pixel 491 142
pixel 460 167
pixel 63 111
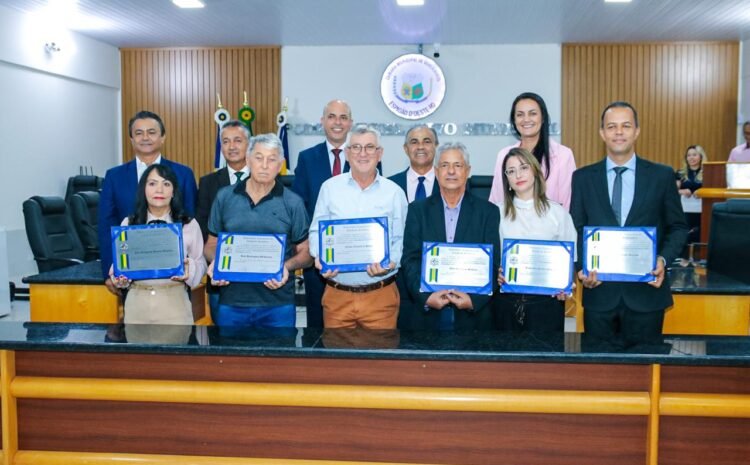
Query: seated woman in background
pixel 163 301
pixel 689 180
pixel 527 213
pixel 529 120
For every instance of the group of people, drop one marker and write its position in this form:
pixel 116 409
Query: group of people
pixel 537 193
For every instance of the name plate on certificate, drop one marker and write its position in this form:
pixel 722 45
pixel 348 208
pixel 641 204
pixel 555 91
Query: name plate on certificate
pixel 620 254
pixel 538 267
pixel 150 251
pixel 351 245
pixel 463 267
pixel 249 258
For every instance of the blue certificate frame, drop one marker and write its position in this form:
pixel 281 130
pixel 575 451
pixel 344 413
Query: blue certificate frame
pixel 223 268
pixel 124 259
pixel 326 242
pixel 430 274
pixel 593 262
pixel 511 273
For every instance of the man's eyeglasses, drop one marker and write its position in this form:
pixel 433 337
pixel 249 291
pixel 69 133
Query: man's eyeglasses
pixel 369 149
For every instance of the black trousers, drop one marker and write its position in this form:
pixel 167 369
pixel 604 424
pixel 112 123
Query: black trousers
pixel 528 312
pixel 624 326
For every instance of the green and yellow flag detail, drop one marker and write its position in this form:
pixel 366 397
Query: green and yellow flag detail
pixel 595 237
pixel 123 261
pixel 229 240
pixel 512 274
pixel 514 249
pixel 435 252
pixel 246 115
pixel 329 230
pixel 226 262
pixel 123 236
pixel 433 275
pixel 594 262
pixel 329 254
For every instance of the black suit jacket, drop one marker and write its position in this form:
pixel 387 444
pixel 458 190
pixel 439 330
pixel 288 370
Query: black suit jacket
pixel 478 222
pixel 207 188
pixel 655 203
pixel 400 179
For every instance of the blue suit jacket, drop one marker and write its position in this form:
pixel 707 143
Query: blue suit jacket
pixel 400 179
pixel 117 200
pixel 313 169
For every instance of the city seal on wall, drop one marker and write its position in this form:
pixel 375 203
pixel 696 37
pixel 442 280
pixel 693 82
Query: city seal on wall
pixel 413 86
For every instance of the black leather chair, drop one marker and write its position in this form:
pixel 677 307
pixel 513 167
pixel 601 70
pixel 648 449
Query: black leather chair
pixel 51 233
pixel 728 245
pixel 82 183
pixel 84 207
pixel 287 180
pixel 480 186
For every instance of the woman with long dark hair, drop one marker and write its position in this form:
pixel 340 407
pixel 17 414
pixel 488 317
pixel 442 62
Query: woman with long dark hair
pixel 529 120
pixel 163 301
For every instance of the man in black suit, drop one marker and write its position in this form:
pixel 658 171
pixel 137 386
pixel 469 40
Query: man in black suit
pixel 418 180
pixel 234 143
pixel 451 216
pixel 621 312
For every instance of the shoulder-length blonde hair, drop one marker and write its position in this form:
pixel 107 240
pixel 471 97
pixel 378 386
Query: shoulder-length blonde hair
pixel 686 167
pixel 541 204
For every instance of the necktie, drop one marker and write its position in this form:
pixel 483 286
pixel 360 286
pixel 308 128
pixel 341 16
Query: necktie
pixel 617 194
pixel 421 193
pixel 238 175
pixel 336 162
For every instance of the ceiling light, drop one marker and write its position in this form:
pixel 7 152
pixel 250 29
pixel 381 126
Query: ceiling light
pixel 410 2
pixel 617 1
pixel 188 3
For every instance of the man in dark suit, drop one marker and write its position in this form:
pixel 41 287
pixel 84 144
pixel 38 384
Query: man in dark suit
pixel 316 165
pixel 234 143
pixel 117 200
pixel 418 182
pixel 451 216
pixel 627 190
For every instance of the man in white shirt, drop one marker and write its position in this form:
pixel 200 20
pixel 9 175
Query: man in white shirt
pixel 418 180
pixel 741 153
pixel 361 299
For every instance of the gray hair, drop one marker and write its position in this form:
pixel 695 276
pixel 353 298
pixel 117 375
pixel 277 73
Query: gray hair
pixel 445 146
pixel 361 129
pixel 421 126
pixel 269 140
pixel 343 102
pixel 233 123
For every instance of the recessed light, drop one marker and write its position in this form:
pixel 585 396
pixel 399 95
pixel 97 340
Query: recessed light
pixel 188 3
pixel 410 2
pixel 617 1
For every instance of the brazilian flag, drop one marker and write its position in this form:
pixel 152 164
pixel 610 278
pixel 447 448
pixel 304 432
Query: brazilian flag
pixel 246 115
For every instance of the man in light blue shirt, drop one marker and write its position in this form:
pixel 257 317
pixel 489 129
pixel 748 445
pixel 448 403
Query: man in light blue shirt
pixel 361 299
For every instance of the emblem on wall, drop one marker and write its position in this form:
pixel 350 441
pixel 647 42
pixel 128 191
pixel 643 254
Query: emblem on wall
pixel 413 86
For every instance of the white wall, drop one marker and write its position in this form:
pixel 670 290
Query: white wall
pixel 482 81
pixel 59 112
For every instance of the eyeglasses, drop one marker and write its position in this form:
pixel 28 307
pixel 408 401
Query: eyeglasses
pixel 369 148
pixel 522 169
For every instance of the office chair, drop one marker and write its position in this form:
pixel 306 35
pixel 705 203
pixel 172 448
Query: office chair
pixel 51 234
pixel 480 186
pixel 728 246
pixel 82 183
pixel 83 210
pixel 287 180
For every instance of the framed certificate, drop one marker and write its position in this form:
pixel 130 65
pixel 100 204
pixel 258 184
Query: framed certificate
pixel 537 267
pixel 620 254
pixel 463 267
pixel 250 258
pixel 148 251
pixel 351 245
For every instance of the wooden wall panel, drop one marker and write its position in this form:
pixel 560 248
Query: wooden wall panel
pixel 685 94
pixel 180 84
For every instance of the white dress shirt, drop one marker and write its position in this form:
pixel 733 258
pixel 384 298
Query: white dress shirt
pixel 412 181
pixel 341 198
pixel 140 167
pixel 233 178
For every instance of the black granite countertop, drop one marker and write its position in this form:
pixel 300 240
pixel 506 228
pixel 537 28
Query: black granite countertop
pixel 83 273
pixel 364 344
pixel 697 280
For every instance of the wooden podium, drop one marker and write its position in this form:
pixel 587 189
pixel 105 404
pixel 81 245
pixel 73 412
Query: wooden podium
pixel 715 190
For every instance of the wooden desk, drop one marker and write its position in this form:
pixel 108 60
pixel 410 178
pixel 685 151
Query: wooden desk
pixel 76 295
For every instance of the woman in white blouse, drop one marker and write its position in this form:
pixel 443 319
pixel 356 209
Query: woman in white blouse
pixel 527 213
pixel 163 301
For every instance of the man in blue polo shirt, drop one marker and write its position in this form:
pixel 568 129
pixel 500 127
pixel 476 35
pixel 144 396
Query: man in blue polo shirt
pixel 260 204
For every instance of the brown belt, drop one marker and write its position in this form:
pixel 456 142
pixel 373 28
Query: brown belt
pixel 364 288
